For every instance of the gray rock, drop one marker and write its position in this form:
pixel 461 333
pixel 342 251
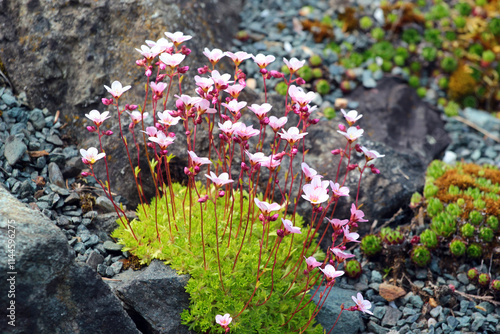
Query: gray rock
pixel 8 98
pixel 376 277
pixel 156 294
pixel 55 175
pixel 63 295
pixel 37 119
pixel 54 139
pixel 105 204
pixel 61 191
pixel 14 149
pixel 94 259
pixel 377 329
pixel 112 247
pixel 379 312
pixel 477 321
pixel 349 322
pixel 392 315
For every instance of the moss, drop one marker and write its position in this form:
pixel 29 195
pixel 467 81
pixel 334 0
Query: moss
pixel 461 83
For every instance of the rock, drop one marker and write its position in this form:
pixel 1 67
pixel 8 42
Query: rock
pixel 14 149
pixel 54 139
pixel 94 259
pixel 156 295
pixel 349 322
pixel 104 203
pixel 112 247
pixel 63 295
pixel 391 292
pixel 55 175
pixel 37 119
pixel 392 315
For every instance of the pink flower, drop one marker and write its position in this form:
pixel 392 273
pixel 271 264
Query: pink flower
pixel 158 88
pixel 309 173
pixel 197 161
pixel 221 81
pixel 262 60
pixel 371 154
pixel 312 263
pixel 357 215
pixel 90 156
pixel 362 305
pixel 172 60
pixel 117 89
pixel 178 37
pixel 162 140
pixel 314 195
pixel 260 110
pixel 292 136
pixel 352 133
pixel 331 273
pixel 338 190
pixel 317 183
pixel 350 236
pixel 246 132
pixel 214 56
pixel 234 106
pixel 337 224
pixel 227 127
pixel 294 64
pixel 265 207
pixel 149 52
pixel 351 117
pixel 151 131
pixel 224 321
pixel 289 228
pixel 220 180
pixel 167 119
pixel 277 123
pixel 238 57
pixel 163 44
pixel 136 116
pixel 255 158
pixel 203 106
pixel 340 255
pixel 271 163
pixel 203 83
pixel 188 101
pixel 299 96
pixel 234 90
pixel 96 117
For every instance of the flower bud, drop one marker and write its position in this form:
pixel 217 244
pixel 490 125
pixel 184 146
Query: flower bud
pixel 300 81
pixel 85 174
pixel 294 151
pixel 244 167
pixel 203 199
pixel 342 127
pixel 132 107
pixel 188 133
pixel 106 101
pixel 185 51
pixel 163 152
pixel 264 121
pixel 148 72
pixel 162 66
pixel 187 171
pixel 183 69
pixel 280 233
pixel 131 126
pixel 263 71
pixel 196 169
pixel 276 74
pixel 358 149
pixel 274 217
pixel 91 128
pixel 141 62
pixel 415 240
pixel 261 217
pixel 314 121
pixel 151 145
pixel 336 152
pixel 352 167
pixel 374 170
pixel 107 133
pixel 237 140
pixel 202 70
pixel 222 193
pixel 160 77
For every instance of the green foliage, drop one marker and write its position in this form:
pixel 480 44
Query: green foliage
pixel 384 50
pixel 475 217
pixel 470 101
pixel 371 245
pixel 315 60
pixel 444 224
pixel 436 169
pixel 393 237
pixel 495 285
pixel 463 8
pixel 305 72
pixel 281 88
pixel 421 92
pixel 484 280
pixel 474 251
pixel 467 230
pixel 353 269
pixel 429 53
pixel 452 109
pixel 434 207
pixel 457 248
pixel 411 36
pixel 185 255
pixel 492 222
pixel 494 26
pixel 472 274
pixel 414 81
pixel 429 239
pixel 454 210
pixel 433 36
pixel 329 113
pixel 323 87
pixel 378 33
pixel 449 64
pixel 415 199
pixel 488 56
pixel 317 73
pixel 420 255
pixel 486 234
pixel 365 22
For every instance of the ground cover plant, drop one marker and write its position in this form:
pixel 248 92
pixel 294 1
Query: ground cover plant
pixel 250 258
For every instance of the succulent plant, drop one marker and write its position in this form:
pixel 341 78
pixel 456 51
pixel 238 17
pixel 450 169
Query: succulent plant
pixel 429 239
pixel 421 92
pixel 315 60
pixel 421 256
pixel 463 8
pixel 457 247
pixel 475 217
pixel 329 113
pixel 386 66
pixel 486 234
pixel 453 209
pixel 444 224
pixel 492 222
pixel 317 73
pixel 365 23
pixel 384 50
pixel 451 109
pixel 460 22
pixel 322 87
pixel 467 230
pixel 281 88
pixel 472 274
pixel 474 251
pixel 371 245
pixel 353 268
pixel 305 73
pixel 394 237
pixel 495 285
pixel 416 198
pixel 449 64
pixel 414 81
pixel 484 280
pixel 443 82
pixel 429 53
pixel 434 206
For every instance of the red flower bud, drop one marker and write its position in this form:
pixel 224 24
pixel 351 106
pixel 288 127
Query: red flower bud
pixel 107 133
pixel 183 69
pixel 263 71
pixel 374 170
pixel 185 51
pixel 352 167
pixel 222 193
pixel 85 174
pixel 336 152
pixel 274 217
pixel 280 233
pixel 106 101
pixel 342 127
pixel 203 199
pixel 300 81
pixel 357 147
pixel 415 240
pixel 91 128
pixel 132 107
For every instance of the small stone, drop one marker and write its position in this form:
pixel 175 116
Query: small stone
pixel 390 292
pixel 101 269
pixel 341 103
pixel 452 322
pixel 435 312
pixel 462 278
pixel 477 322
pixel 373 327
pixel 104 203
pixel 79 248
pixel 61 191
pixel 55 175
pixel 14 149
pixel 54 139
pixel 369 83
pixel 93 240
pixel 392 315
pixel 251 83
pixel 37 119
pixel 90 214
pixel 94 259
pixel 73 198
pixel 376 277
pixel 416 301
pixel 408 311
pixel 431 322
pixel 116 267
pixel 112 247
pixel 379 312
pixel 62 221
pixel 492 319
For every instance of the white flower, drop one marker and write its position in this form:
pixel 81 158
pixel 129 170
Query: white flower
pixel 117 89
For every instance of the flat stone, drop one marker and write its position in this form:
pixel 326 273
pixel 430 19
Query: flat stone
pixel 73 198
pixel 392 315
pixel 105 204
pixel 112 247
pixel 37 119
pixel 94 259
pixel 55 175
pixel 14 149
pixel 61 191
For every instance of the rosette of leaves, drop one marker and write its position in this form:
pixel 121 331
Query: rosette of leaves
pixel 420 255
pixel 353 268
pixel 371 245
pixel 394 237
pixel 429 239
pixel 185 255
pixel 457 247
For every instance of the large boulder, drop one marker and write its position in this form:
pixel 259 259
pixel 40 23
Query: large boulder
pixel 47 291
pixel 63 52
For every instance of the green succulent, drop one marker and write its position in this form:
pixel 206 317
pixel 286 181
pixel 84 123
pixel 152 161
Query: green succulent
pixel 492 222
pixel 484 280
pixel 411 36
pixel 433 36
pixel 488 56
pixel 436 169
pixel 460 22
pixel 472 274
pixel 444 224
pixel 365 22
pixel 479 204
pixel 399 60
pixel 284 69
pixel 474 251
pixel 475 217
pixel 467 230
pixel 463 8
pixel 371 245
pixel 414 81
pixel 439 11
pixel 495 285
pixel 416 198
pixel 454 209
pixel 317 73
pixel 434 206
pixel 353 269
pixel 394 237
pixel 387 66
pixel 384 50
pixel 486 234
pixel 281 88
pixel 449 64
pixel 494 26
pixel 329 113
pixel 421 92
pixel 421 256
pixel 429 239
pixel 315 60
pixel 457 248
pixel 305 72
pixel 323 87
pixel 429 53
pixel 443 82
pixel 476 49
pixel 415 66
